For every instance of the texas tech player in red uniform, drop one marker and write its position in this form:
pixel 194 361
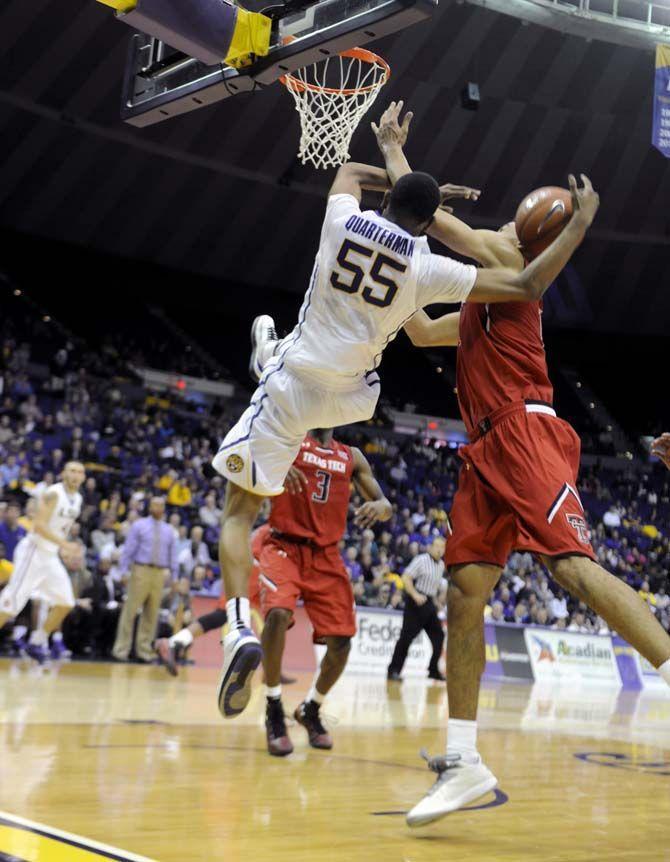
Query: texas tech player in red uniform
pixel 301 559
pixel 517 491
pixel 517 488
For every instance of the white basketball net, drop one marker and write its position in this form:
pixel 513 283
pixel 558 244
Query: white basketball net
pixel 331 97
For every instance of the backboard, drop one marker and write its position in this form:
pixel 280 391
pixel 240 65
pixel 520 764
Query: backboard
pixel 160 82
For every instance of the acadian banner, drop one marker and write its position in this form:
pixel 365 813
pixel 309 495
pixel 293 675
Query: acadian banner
pixel 571 655
pixel 660 136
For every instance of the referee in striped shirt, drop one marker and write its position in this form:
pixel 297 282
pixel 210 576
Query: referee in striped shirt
pixel 422 579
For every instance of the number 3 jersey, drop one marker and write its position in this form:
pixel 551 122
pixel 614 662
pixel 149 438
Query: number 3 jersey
pixel 319 512
pixel 369 279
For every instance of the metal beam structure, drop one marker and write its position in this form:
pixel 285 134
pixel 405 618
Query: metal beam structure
pixel 160 83
pixel 633 23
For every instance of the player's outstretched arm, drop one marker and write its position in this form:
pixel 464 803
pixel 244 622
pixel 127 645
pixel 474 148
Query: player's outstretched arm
pixel 506 285
pixel 484 246
pixel 377 507
pixel 423 331
pixel 354 177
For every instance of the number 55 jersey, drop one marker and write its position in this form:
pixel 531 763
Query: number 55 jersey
pixel 369 278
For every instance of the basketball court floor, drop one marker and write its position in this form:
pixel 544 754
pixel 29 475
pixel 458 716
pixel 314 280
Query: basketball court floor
pixel 143 765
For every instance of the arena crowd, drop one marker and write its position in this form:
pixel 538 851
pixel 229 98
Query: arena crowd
pixel 137 444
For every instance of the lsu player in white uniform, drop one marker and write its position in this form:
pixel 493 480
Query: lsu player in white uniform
pixel 372 273
pixel 38 571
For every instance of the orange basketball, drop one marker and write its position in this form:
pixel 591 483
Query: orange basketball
pixel 541 217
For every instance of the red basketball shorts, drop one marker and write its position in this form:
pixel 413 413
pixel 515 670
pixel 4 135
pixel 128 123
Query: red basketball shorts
pixel 290 571
pixel 517 490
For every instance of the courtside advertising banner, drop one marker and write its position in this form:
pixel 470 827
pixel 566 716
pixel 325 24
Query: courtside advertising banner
pixel 660 136
pixel 570 655
pixel 649 675
pixel 375 639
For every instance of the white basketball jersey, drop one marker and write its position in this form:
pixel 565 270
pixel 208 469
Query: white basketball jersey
pixel 65 513
pixel 369 279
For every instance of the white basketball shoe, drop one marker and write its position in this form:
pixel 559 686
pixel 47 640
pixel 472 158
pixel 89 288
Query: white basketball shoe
pixel 458 783
pixel 242 653
pixel 263 344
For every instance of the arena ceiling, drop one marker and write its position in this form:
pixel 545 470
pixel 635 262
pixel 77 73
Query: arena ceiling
pixel 218 192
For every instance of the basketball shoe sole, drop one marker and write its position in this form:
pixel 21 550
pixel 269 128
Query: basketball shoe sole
pixel 242 654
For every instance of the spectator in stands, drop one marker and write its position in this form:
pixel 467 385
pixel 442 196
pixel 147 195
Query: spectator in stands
pixel 11 532
pixel 521 613
pixel 352 564
pixel 10 471
pixel 210 514
pixel 558 607
pixel 179 493
pixel 90 628
pixel 6 432
pixel 104 535
pixel 497 612
pixel 612 518
pixel 196 553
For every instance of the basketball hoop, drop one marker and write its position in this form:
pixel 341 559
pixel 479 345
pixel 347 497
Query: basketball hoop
pixel 331 98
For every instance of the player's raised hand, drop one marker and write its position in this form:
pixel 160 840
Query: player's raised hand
pixel 585 201
pixel 296 481
pixel 390 131
pixel 372 511
pixel 661 448
pixel 449 191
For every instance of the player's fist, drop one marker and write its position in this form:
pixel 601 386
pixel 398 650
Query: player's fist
pixel 585 201
pixel 390 131
pixel 661 448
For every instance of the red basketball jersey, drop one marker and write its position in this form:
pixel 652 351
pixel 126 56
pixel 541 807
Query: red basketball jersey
pixel 500 358
pixel 318 513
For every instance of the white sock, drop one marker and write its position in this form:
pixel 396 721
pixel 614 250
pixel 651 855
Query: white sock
pixel 239 613
pixel 183 638
pixel 19 632
pixel 462 739
pixel 315 695
pixel 664 671
pixel 37 637
pixel 273 691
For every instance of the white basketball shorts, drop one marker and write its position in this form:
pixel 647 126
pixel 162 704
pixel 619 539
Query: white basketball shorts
pixel 258 451
pixel 37 574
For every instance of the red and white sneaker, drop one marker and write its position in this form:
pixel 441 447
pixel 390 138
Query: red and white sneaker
pixel 279 742
pixel 307 714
